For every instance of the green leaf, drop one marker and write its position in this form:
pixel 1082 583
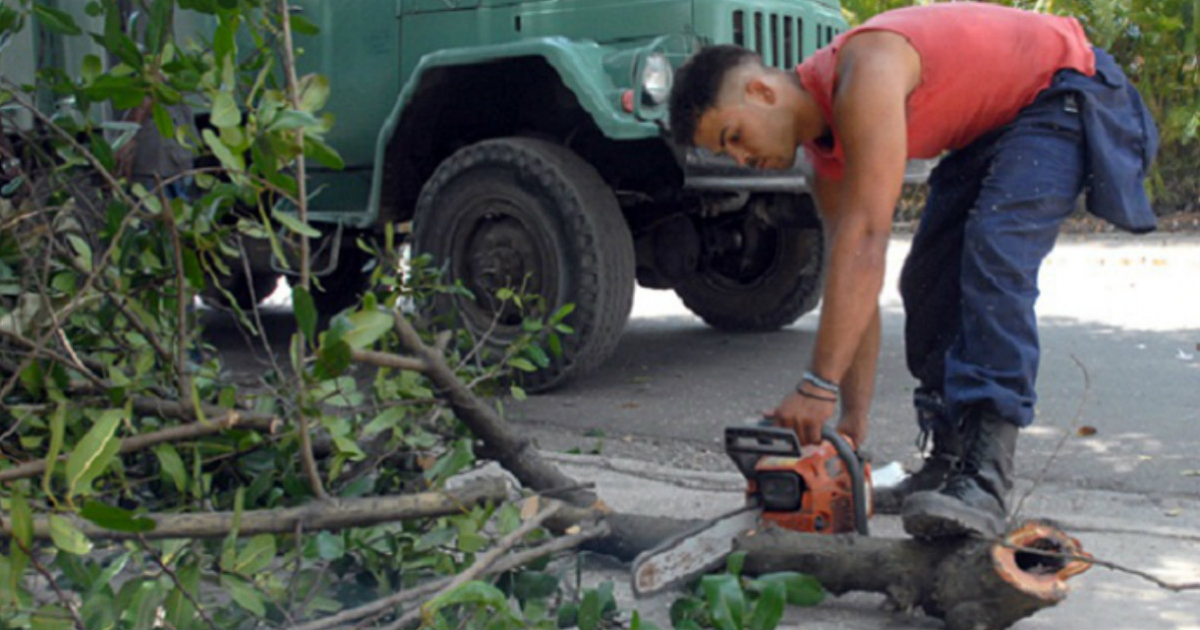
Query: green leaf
pixel 332 360
pixel 224 39
pixel 57 425
pixel 22 533
pixel 94 453
pixel 726 602
pixel 231 161
pixel 636 623
pixel 568 615
pixel 302 26
pixel 180 611
pixel 517 392
pixel 685 611
pixel 473 592
pixel 92 67
pixel 115 518
pixel 83 251
pixel 293 223
pixel 589 611
pixel 290 119
pixel 459 457
pixel 172 466
pixel 469 540
pixel 67 537
pixel 52 617
pixel 225 112
pixel 314 93
pixel 768 611
pixel 538 355
pixel 57 21
pixel 160 17
pixel 162 120
pixel 149 596
pixel 438 537
pixel 330 546
pixel 562 313
pixel 244 594
pixel 389 419
pixel 802 590
pixel 531 585
pixel 367 328
pixel 735 562
pixel 316 149
pixel 256 555
pixel 522 364
pixel 306 312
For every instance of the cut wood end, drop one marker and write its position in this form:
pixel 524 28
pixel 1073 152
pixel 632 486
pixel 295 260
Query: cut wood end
pixel 601 507
pixel 530 507
pixel 1038 575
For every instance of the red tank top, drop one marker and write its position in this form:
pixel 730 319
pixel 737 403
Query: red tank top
pixel 980 64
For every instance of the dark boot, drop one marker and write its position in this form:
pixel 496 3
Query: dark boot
pixel 972 500
pixel 947 450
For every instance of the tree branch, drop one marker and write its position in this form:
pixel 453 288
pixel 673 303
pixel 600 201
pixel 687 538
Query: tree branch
pixel 388 360
pixel 226 420
pixel 329 514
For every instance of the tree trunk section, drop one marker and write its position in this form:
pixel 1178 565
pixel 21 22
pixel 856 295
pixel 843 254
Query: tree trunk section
pixel 970 583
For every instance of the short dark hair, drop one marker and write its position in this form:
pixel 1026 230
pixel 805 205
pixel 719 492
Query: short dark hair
pixel 697 85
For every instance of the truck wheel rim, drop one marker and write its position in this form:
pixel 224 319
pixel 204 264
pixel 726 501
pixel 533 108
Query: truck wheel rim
pixel 498 249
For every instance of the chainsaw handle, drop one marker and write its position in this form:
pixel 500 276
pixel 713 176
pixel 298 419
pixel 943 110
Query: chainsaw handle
pixel 854 466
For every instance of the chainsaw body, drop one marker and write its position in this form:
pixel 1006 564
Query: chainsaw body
pixel 821 489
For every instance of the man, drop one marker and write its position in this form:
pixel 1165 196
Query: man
pixel 1031 116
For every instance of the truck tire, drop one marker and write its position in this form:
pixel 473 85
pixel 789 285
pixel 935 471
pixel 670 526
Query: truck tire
pixel 776 281
pixel 502 210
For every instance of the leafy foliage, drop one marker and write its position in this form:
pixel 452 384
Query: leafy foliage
pixel 730 601
pixel 101 343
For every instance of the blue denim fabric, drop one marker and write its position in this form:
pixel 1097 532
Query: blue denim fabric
pixel 1122 141
pixel 970 281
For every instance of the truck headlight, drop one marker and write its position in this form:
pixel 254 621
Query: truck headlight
pixel 657 77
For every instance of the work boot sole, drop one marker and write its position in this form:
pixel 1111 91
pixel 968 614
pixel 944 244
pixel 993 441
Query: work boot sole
pixel 934 515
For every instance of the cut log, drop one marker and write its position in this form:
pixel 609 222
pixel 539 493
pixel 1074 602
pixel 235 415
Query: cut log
pixel 969 583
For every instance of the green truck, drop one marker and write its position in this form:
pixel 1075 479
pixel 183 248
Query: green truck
pixel 524 142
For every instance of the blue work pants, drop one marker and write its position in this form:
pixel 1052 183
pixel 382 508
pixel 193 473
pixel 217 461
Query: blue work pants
pixel 971 278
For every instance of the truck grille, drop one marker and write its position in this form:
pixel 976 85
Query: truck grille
pixel 778 37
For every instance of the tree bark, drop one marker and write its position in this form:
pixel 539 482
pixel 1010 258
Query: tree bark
pixel 970 583
pixel 330 514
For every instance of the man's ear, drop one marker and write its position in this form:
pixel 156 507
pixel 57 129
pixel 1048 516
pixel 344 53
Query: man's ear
pixel 759 89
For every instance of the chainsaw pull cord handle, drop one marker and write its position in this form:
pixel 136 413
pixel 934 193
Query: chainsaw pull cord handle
pixel 852 463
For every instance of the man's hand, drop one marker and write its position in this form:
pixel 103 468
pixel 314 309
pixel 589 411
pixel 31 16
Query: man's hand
pixel 805 414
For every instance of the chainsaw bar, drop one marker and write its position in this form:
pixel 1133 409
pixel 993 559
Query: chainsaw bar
pixel 688 555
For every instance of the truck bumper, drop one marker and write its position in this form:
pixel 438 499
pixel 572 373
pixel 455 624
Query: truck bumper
pixel 706 172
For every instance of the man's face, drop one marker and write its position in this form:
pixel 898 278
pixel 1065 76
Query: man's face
pixel 750 122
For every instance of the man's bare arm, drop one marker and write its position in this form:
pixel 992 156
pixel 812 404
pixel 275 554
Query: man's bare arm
pixel 876 73
pixel 858 385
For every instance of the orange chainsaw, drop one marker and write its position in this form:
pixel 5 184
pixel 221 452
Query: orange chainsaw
pixel 822 489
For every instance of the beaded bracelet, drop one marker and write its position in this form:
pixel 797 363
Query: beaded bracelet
pixel 820 383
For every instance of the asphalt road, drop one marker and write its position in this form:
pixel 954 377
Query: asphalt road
pixel 1119 390
pixel 1119 405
